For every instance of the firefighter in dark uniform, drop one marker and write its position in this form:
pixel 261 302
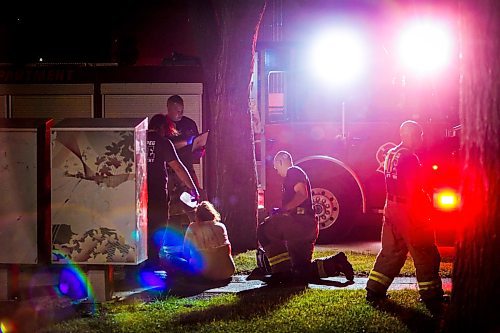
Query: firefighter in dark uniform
pixel 288 236
pixel 161 153
pixel 406 224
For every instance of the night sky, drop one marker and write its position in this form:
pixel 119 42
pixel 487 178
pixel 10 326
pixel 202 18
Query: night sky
pixel 128 31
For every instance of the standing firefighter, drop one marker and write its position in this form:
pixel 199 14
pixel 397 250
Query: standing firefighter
pixel 288 236
pixel 406 224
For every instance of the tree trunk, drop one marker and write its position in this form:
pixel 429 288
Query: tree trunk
pixel 227 31
pixel 476 276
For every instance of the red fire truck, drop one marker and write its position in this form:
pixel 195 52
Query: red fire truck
pixel 340 136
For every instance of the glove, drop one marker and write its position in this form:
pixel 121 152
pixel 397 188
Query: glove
pixel 190 140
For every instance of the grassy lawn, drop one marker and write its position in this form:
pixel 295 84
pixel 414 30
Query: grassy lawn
pixel 263 310
pixel 267 309
pixel 361 262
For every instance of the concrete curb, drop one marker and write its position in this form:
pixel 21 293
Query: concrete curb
pixel 239 283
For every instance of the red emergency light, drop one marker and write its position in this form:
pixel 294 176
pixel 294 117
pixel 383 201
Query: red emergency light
pixel 446 199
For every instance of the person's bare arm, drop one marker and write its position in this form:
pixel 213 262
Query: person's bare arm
pixel 299 197
pixel 183 174
pixel 180 144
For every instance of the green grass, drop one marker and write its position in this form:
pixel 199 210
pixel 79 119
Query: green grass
pixel 269 309
pixel 362 262
pixel 263 310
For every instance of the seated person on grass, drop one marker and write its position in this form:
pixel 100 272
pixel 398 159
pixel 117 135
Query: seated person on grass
pixel 206 251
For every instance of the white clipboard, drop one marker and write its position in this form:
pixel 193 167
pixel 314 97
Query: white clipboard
pixel 200 141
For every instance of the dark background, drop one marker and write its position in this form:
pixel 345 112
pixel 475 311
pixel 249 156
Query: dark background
pixel 150 32
pixel 126 31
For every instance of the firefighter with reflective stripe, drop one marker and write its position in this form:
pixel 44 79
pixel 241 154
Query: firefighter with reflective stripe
pixel 406 224
pixel 288 236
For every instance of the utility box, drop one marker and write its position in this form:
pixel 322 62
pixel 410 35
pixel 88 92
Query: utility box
pixel 99 191
pixel 25 184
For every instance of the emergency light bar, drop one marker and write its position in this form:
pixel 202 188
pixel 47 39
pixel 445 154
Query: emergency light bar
pixel 338 56
pixel 425 47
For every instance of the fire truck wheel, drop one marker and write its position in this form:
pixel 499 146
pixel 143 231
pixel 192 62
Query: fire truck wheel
pixel 336 199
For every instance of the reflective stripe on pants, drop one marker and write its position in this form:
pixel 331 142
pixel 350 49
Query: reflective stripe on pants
pixel 403 233
pixel 380 278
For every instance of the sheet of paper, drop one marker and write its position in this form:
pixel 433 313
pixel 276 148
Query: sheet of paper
pixel 200 141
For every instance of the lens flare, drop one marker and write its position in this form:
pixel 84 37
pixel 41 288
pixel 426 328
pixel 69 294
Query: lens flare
pixel 6 326
pixel 73 283
pixel 153 279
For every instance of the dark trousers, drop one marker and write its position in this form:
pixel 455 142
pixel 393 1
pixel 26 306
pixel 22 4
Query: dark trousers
pixel 402 232
pixel 157 222
pixel 289 242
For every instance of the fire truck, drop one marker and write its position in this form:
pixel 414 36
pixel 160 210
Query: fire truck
pixel 340 136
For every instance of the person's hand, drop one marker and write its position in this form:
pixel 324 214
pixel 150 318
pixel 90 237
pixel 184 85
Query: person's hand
pixel 199 153
pixel 190 140
pixel 195 195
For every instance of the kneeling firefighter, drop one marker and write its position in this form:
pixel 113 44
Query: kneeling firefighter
pixel 289 234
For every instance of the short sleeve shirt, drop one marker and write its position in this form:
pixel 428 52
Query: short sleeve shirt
pixel 402 172
pixel 293 176
pixel 160 152
pixel 206 235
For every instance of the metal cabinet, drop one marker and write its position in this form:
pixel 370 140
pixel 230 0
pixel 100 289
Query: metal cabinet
pixel 99 192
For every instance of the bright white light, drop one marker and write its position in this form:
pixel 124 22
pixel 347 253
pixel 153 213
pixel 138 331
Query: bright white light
pixel 425 47
pixel 338 57
pixel 446 199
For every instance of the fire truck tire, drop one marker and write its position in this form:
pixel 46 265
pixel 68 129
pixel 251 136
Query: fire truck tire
pixel 336 199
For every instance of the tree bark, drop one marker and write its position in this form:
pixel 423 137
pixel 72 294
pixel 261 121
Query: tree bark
pixel 226 31
pixel 476 276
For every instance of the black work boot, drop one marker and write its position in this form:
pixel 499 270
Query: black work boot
pixel 374 298
pixel 436 305
pixel 333 266
pixel 344 266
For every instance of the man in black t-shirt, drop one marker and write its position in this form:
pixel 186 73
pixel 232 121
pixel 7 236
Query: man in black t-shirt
pixel 187 130
pixel 288 236
pixel 160 154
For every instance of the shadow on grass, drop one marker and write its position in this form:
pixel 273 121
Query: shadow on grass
pixel 332 283
pixel 193 287
pixel 416 321
pixel 259 274
pixel 250 303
